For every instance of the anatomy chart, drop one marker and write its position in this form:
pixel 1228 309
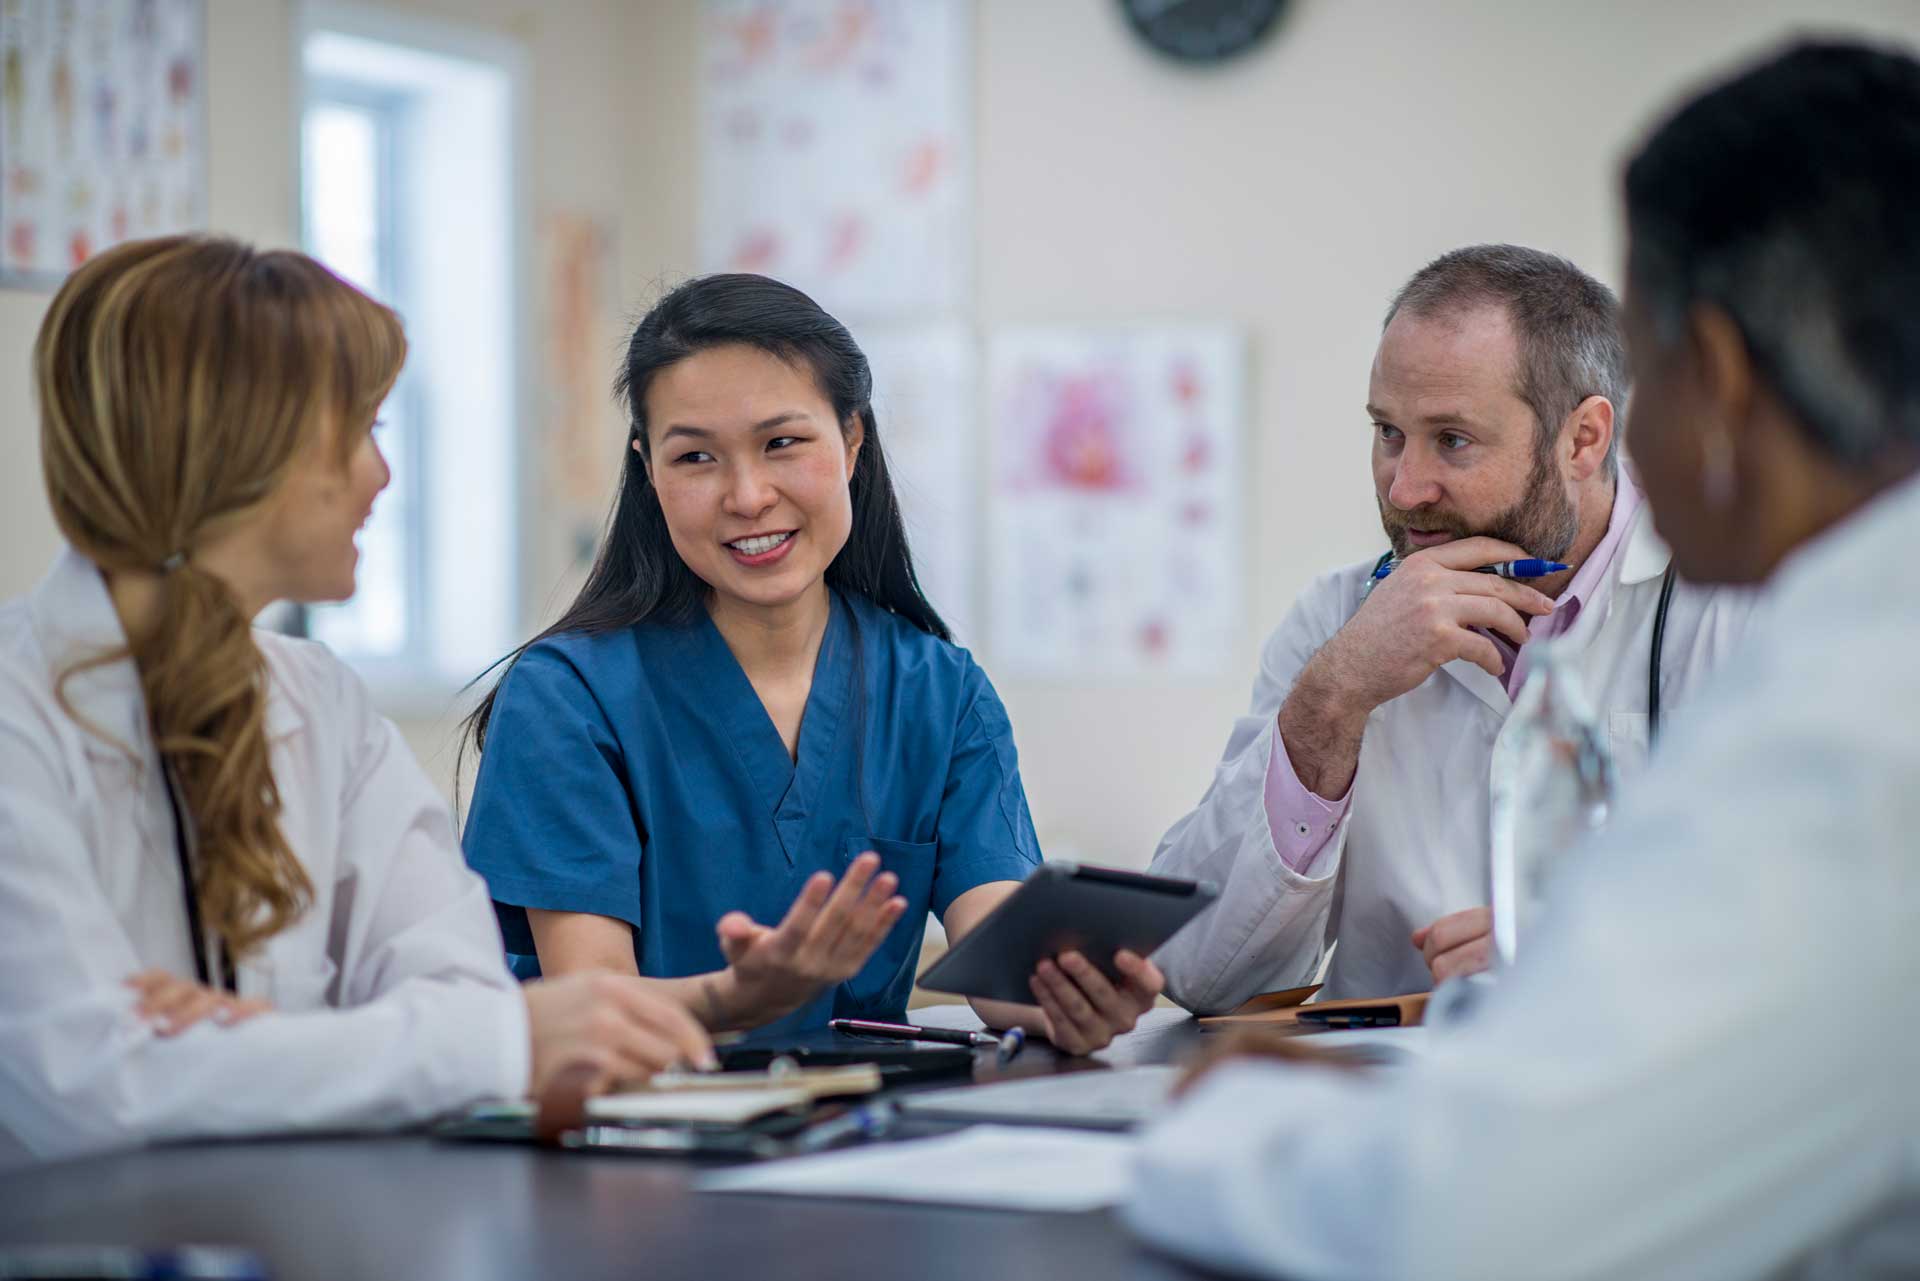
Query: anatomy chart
pixel 102 128
pixel 924 401
pixel 834 150
pixel 1114 521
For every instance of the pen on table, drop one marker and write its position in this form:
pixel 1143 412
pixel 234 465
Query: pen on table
pixel 908 1032
pixel 1531 567
pixel 866 1122
pixel 1331 1019
pixel 1010 1044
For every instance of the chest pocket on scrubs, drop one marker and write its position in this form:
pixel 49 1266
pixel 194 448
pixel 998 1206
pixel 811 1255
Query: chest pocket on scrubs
pixel 892 962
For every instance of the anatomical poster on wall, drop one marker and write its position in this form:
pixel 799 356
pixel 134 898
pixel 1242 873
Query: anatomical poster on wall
pixel 835 148
pixel 102 128
pixel 585 430
pixel 1114 524
pixel 924 404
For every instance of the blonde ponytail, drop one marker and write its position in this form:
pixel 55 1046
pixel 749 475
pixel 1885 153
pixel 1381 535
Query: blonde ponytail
pixel 178 381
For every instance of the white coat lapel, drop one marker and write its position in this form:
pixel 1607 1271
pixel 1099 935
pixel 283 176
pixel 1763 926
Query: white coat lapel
pixel 1488 689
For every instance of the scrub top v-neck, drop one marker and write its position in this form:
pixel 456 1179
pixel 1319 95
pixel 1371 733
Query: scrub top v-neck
pixel 636 774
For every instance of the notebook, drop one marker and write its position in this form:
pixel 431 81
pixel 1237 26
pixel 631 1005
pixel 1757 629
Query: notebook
pixel 729 1098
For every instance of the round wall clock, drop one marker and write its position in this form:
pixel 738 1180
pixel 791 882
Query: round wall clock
pixel 1203 31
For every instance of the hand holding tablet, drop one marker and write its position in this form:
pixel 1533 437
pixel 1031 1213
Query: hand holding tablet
pixel 1064 908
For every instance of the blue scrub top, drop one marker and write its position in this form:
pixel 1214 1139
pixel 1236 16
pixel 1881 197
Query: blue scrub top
pixel 636 774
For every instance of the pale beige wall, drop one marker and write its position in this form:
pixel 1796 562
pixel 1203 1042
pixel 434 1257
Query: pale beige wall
pixel 1288 193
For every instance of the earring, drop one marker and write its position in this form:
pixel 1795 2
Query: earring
pixel 1718 479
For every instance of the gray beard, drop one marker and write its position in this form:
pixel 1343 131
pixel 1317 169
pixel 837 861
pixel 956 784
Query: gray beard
pixel 1544 521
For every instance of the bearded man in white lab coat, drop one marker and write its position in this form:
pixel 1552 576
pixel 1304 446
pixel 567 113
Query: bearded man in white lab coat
pixel 1352 805
pixel 1703 1063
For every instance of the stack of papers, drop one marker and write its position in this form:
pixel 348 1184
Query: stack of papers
pixel 988 1166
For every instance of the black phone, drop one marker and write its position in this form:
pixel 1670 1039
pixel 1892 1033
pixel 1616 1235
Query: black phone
pixel 1067 907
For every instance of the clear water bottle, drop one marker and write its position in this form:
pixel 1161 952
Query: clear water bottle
pixel 1552 785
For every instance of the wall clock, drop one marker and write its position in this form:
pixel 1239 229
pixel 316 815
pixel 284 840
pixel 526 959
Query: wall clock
pixel 1203 31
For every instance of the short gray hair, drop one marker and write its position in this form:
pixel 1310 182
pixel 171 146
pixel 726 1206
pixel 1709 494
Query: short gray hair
pixel 1566 324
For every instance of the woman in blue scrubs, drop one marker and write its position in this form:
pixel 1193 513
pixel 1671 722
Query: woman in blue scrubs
pixel 748 761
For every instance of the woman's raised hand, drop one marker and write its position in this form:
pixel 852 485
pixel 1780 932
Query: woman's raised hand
pixel 826 938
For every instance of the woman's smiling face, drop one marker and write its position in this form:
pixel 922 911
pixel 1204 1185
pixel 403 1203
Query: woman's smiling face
pixel 752 468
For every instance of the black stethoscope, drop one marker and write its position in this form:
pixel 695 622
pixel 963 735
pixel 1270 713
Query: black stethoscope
pixel 191 894
pixel 1653 659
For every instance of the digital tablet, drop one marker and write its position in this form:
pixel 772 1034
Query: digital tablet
pixel 899 1061
pixel 1065 907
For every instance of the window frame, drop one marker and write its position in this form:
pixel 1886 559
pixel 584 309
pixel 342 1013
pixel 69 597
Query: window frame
pixel 415 683
pixel 388 110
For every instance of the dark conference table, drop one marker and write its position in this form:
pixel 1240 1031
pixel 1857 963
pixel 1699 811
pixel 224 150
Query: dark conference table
pixel 406 1206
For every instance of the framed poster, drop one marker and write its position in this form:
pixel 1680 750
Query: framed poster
pixel 924 405
pixel 102 129
pixel 1115 529
pixel 835 141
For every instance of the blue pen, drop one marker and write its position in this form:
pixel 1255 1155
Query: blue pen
pixel 869 1122
pixel 1528 568
pixel 1010 1044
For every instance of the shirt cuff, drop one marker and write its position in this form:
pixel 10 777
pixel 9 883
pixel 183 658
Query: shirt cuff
pixel 1302 823
pixel 515 1062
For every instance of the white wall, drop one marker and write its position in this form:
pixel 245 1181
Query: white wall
pixel 1288 193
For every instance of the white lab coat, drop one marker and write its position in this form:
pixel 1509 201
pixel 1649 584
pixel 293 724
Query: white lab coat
pixel 1413 846
pixel 1707 1065
pixel 392 998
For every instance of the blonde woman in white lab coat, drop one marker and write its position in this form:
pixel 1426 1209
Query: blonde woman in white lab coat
pixel 232 902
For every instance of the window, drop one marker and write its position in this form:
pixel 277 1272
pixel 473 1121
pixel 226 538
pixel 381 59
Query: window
pixel 408 142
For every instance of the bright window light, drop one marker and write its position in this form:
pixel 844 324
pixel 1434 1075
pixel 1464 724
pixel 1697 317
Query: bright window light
pixel 408 147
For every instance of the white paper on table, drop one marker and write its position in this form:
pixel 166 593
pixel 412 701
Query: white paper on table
pixel 1119 1098
pixel 1386 1046
pixel 959 1016
pixel 987 1166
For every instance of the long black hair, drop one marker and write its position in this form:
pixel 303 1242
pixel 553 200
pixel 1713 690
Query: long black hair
pixel 638 576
